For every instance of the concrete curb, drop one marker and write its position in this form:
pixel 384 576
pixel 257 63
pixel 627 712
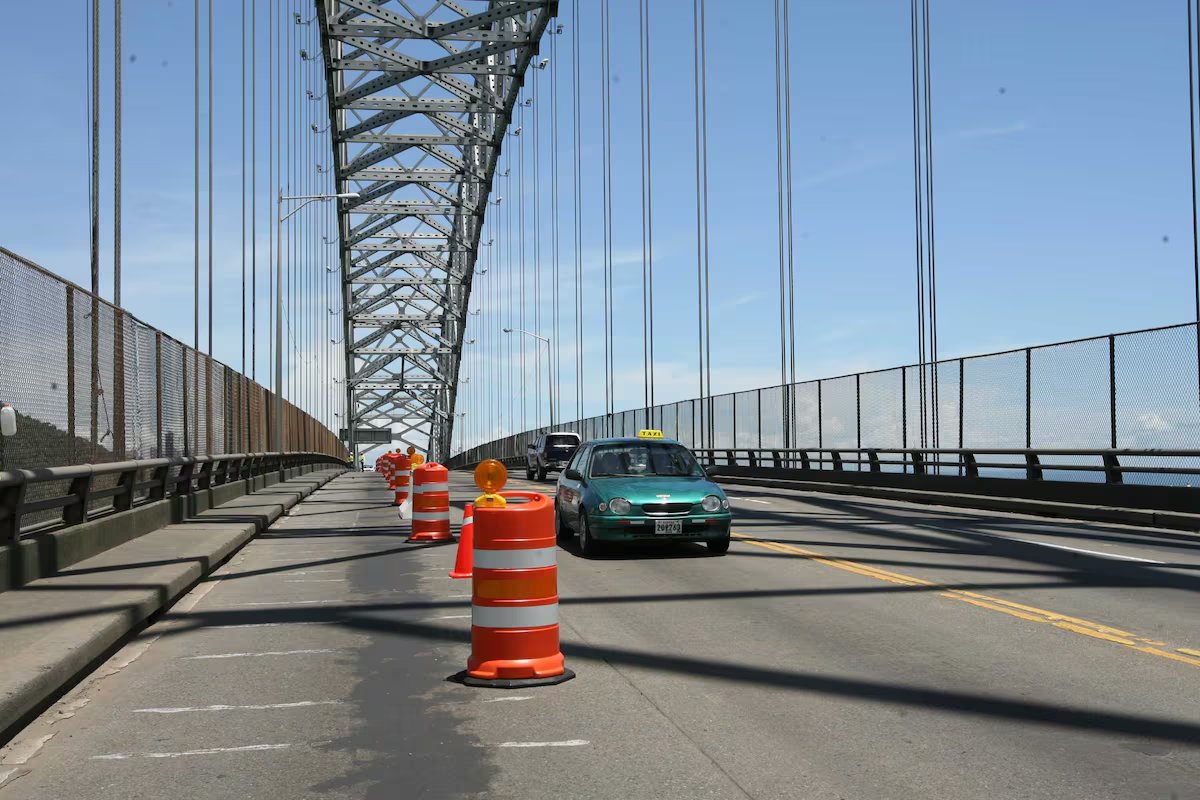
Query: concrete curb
pixel 57 629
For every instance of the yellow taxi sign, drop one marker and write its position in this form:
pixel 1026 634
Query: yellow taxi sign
pixel 648 433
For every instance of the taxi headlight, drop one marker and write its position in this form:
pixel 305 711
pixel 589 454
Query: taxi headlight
pixel 619 506
pixel 711 503
pixel 725 504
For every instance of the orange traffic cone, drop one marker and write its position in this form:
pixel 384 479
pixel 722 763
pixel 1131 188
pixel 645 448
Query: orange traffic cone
pixel 466 545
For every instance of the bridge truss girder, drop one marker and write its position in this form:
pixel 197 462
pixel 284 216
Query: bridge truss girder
pixel 420 95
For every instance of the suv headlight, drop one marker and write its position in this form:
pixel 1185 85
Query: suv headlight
pixel 619 506
pixel 711 503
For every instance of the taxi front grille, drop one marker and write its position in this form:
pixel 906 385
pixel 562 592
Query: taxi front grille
pixel 666 508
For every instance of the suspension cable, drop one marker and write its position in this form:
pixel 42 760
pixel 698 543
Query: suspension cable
pixel 1192 140
pixel 117 97
pixel 537 255
pixel 647 212
pixel 702 277
pixel 578 186
pixel 931 243
pixel 606 111
pixel 555 367
pixel 918 209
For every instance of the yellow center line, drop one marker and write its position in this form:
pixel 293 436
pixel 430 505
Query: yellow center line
pixel 1029 613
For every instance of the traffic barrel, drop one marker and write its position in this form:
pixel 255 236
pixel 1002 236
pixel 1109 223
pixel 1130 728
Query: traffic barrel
pixel 431 504
pixel 466 543
pixel 399 481
pixel 514 595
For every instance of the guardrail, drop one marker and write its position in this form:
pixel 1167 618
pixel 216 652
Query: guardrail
pixel 1105 463
pixel 133 483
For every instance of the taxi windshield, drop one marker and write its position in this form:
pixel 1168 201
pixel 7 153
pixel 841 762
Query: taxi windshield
pixel 639 459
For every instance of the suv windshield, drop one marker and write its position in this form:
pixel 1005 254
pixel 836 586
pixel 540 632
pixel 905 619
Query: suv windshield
pixel 561 440
pixel 638 459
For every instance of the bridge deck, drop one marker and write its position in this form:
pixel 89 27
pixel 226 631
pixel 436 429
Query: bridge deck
pixel 846 648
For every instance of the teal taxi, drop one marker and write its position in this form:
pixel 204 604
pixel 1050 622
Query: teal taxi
pixel 637 489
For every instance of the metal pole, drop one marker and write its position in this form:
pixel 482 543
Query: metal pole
pixel 278 323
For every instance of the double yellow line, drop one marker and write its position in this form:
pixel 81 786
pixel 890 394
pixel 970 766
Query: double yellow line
pixel 1083 627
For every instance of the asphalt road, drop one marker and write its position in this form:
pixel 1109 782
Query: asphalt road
pixel 842 649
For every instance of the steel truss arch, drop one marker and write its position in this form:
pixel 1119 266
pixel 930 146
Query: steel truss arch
pixel 420 96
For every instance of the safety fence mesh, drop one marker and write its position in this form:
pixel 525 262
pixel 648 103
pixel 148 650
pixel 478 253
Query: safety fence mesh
pixel 1136 390
pixel 92 384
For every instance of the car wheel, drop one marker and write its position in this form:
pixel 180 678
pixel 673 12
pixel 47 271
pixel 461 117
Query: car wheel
pixel 561 530
pixel 528 472
pixel 541 473
pixel 718 547
pixel 587 545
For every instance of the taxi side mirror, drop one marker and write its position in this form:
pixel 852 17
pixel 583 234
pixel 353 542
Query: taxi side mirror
pixel 573 474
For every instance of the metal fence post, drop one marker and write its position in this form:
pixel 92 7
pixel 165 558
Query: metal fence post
pixel 127 483
pixel 1112 391
pixel 1028 397
pixel 858 409
pixel 118 382
pixel 11 500
pixel 72 439
pixel 904 409
pixel 820 417
pixel 760 419
pixel 158 394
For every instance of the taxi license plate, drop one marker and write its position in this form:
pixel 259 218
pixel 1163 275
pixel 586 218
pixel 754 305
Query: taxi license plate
pixel 668 526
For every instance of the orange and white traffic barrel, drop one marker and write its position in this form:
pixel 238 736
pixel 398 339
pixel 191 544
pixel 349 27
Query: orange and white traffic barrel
pixel 401 473
pixel 431 504
pixel 514 599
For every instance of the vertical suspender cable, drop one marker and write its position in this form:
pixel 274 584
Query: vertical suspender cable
pixel 647 213
pixel 918 218
pixel 1192 45
pixel 243 188
pixel 931 242
pixel 554 215
pixel 578 185
pixel 702 281
pixel 211 112
pixel 521 249
pixel 790 218
pixel 537 254
pixel 779 210
pixel 606 111
pixel 196 207
pixel 95 156
pixel 117 97
pixel 253 190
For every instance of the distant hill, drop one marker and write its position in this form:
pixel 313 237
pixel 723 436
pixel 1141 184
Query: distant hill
pixel 40 444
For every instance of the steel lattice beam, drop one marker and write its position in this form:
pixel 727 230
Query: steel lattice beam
pixel 420 95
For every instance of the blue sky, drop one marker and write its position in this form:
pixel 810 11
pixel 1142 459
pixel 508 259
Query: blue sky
pixel 1061 136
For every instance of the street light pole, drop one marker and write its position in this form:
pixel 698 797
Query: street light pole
pixel 281 218
pixel 546 341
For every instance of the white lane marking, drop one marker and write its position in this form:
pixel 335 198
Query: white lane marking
pixel 565 743
pixel 257 655
pixel 454 616
pixel 265 707
pixel 454 596
pixel 1102 554
pixel 751 500
pixel 205 752
pixel 283 603
pixel 313 572
pixel 262 625
pixel 509 699
pixel 318 580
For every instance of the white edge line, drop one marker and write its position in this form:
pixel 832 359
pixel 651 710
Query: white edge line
pixel 205 752
pixel 564 743
pixel 265 707
pixel 256 655
pixel 509 699
pixel 1101 554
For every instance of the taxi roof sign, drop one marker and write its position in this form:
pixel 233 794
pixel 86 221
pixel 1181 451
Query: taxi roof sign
pixel 648 433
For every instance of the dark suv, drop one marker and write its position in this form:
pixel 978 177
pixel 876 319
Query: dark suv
pixel 550 453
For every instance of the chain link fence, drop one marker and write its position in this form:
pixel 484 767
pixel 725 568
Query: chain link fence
pixel 92 384
pixel 1135 390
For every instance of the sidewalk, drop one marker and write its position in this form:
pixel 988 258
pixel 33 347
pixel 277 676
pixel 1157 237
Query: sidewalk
pixel 54 629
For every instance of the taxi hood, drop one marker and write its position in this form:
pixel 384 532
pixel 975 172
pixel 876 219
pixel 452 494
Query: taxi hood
pixel 683 489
